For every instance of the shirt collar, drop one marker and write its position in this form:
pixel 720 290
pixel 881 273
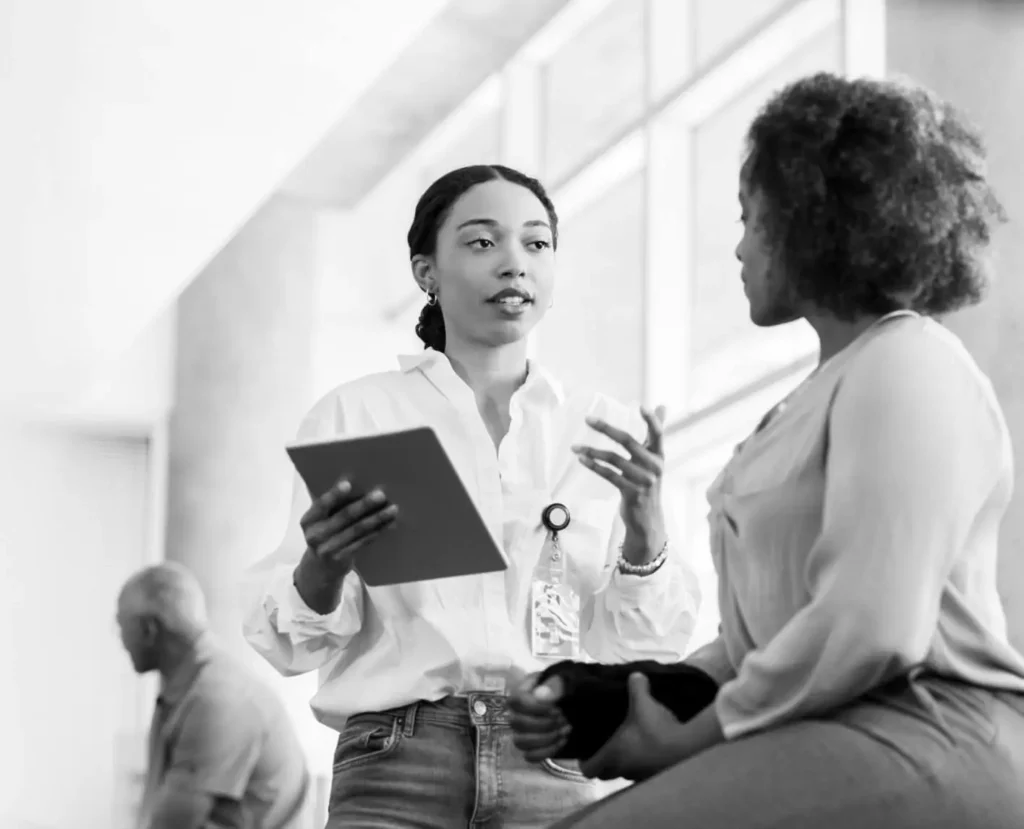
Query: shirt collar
pixel 174 687
pixel 540 384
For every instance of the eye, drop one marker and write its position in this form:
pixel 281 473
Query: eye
pixel 481 244
pixel 743 218
pixel 539 244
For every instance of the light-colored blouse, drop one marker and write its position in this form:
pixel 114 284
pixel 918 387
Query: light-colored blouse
pixel 855 535
pixel 389 646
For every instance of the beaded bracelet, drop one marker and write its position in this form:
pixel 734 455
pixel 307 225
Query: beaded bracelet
pixel 629 569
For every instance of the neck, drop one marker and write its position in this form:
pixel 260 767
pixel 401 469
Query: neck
pixel 177 651
pixel 491 373
pixel 834 335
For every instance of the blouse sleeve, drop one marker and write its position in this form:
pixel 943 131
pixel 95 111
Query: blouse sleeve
pixel 277 623
pixel 915 451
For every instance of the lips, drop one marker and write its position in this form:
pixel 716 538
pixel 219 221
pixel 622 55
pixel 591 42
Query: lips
pixel 511 296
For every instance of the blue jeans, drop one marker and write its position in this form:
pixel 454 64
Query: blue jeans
pixel 447 764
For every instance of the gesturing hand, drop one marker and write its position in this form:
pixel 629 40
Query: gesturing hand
pixel 338 524
pixel 640 747
pixel 538 725
pixel 637 475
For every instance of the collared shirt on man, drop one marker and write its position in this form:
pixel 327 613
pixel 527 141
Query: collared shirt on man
pixel 219 730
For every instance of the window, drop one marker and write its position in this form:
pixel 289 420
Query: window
pixel 594 332
pixel 718 25
pixel 479 143
pixel 593 87
pixel 727 351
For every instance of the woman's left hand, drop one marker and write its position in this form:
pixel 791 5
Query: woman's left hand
pixel 638 477
pixel 643 745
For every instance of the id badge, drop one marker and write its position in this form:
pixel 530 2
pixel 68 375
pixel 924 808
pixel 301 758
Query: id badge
pixel 554 608
pixel 555 620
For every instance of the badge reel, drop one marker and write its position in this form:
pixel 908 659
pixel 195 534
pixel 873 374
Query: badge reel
pixel 555 617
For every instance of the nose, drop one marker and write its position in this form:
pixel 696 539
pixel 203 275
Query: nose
pixel 738 253
pixel 514 263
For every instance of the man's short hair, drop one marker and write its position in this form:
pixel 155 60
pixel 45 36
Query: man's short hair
pixel 169 592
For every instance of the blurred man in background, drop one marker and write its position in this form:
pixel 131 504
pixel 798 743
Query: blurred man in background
pixel 222 752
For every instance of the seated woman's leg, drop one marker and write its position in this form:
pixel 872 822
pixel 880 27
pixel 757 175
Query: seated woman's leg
pixel 925 754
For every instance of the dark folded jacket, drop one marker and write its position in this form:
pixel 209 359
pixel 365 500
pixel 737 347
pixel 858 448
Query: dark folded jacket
pixel 596 697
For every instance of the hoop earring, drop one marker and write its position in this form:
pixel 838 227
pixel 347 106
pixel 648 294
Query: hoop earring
pixel 431 298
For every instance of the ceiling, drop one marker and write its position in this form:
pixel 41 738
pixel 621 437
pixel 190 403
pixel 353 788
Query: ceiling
pixel 457 51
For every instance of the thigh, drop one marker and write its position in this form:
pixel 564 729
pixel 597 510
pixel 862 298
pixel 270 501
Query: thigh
pixel 394 772
pixel 877 764
pixel 536 795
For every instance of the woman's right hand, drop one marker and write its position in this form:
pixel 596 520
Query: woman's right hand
pixel 336 527
pixel 338 524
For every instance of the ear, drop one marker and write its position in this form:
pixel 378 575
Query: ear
pixel 423 273
pixel 150 628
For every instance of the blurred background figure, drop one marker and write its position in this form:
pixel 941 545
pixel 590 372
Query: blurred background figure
pixel 222 752
pixel 181 279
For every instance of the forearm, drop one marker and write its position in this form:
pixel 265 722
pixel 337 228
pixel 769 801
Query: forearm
pixel 713 659
pixel 319 587
pixel 639 548
pixel 177 808
pixel 692 737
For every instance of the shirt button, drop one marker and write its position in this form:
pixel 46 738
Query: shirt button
pixel 480 707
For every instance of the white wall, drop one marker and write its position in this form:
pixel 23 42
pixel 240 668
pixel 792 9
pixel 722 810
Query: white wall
pixel 72 712
pixel 139 135
pixel 362 266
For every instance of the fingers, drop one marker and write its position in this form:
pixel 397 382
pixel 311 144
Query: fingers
pixel 359 534
pixel 546 751
pixel 550 691
pixel 639 691
pixel 649 455
pixel 641 477
pixel 600 763
pixel 327 504
pixel 537 731
pixel 347 516
pixel 539 727
pixel 538 700
pixel 655 429
pixel 352 524
pixel 620 436
pixel 627 485
pixel 539 703
pixel 539 737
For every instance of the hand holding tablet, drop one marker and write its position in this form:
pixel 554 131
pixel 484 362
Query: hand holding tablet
pixel 339 523
pixel 425 526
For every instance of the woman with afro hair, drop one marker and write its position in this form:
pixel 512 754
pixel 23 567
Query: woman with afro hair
pixel 865 678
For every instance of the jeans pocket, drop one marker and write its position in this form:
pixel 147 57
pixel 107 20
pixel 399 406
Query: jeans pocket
pixel 565 770
pixel 366 738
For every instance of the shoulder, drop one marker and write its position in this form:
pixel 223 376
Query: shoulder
pixel 921 366
pixel 228 692
pixel 915 353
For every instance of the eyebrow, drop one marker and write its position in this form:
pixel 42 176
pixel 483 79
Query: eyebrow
pixel 493 223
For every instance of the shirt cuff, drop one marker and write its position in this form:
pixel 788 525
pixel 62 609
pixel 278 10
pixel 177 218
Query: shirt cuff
pixel 292 614
pixel 633 588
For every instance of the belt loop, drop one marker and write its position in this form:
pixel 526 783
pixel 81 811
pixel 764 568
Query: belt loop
pixel 409 719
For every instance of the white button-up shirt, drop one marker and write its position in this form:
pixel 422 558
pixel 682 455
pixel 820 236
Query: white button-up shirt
pixel 385 647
